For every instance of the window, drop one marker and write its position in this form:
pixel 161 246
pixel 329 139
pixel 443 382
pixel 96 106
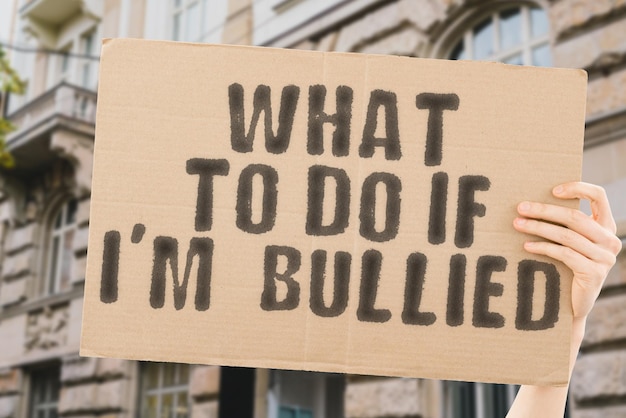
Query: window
pixel 44 393
pixel 86 48
pixel 188 20
pixel 517 35
pixel 164 390
pixel 61 254
pixel 294 412
pixel 61 68
pixel 298 394
pixel 478 400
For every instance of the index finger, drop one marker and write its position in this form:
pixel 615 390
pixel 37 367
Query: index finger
pixel 600 208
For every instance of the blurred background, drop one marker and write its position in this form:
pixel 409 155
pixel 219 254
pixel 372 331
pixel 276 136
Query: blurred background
pixel 53 46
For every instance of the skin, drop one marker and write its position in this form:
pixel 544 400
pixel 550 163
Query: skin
pixel 587 245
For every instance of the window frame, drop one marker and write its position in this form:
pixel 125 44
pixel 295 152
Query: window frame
pixel 52 279
pixel 52 382
pixel 462 28
pixel 160 391
pixel 87 47
pixel 298 411
pixel 183 10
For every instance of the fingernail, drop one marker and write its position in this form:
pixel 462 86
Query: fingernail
pixel 558 190
pixel 520 221
pixel 524 206
pixel 529 244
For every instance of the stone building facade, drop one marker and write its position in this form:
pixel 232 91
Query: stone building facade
pixel 44 202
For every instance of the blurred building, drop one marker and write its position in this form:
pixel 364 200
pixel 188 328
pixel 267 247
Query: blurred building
pixel 44 202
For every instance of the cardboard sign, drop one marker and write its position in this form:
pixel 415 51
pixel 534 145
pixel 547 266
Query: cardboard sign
pixel 333 212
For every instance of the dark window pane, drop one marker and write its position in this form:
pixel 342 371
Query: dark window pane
pixel 510 28
pixel 59 220
pixel 539 24
pixel 54 255
pixel 70 217
pixel 44 393
pixel 458 53
pixel 169 374
pixel 183 374
pixel 500 403
pixel 150 375
pixel 483 40
pixel 463 399
pixel 55 389
pixel 286 412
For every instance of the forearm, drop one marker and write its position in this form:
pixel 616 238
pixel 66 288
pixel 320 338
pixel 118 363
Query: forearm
pixel 547 401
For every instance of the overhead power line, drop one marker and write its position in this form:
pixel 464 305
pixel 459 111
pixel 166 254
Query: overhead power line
pixel 208 33
pixel 19 48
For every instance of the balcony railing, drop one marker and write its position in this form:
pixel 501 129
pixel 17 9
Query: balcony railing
pixel 64 105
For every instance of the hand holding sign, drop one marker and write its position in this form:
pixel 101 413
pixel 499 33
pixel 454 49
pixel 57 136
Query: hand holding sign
pixel 586 244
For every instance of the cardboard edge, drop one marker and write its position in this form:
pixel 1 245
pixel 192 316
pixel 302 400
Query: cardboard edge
pixel 107 43
pixel 111 41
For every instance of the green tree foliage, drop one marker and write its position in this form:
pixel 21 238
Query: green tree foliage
pixel 10 82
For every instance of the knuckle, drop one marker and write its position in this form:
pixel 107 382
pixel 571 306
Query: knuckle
pixel 574 217
pixel 612 227
pixel 612 259
pixel 598 191
pixel 565 235
pixel 567 252
pixel 614 244
pixel 606 259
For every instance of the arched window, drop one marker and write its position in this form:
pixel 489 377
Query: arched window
pixel 60 253
pixel 514 35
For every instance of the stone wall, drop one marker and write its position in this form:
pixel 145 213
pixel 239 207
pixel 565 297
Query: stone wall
pixel 92 387
pixel 394 397
pixel 204 390
pixel 10 392
pixel 590 35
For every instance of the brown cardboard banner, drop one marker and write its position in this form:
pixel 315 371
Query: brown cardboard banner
pixel 333 212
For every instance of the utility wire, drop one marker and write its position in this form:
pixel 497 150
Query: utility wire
pixel 208 33
pixel 19 48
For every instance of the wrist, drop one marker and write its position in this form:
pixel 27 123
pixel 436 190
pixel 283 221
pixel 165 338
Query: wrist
pixel 578 331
